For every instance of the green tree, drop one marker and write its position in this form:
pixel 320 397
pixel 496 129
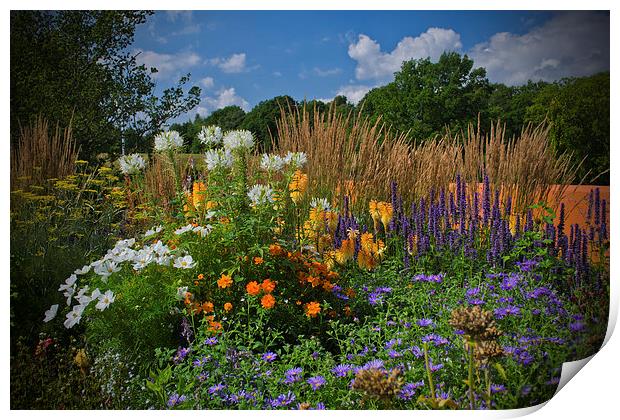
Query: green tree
pixel 427 97
pixel 261 120
pixel 228 118
pixel 579 114
pixel 74 66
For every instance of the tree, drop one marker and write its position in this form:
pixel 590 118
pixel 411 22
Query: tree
pixel 427 97
pixel 579 114
pixel 228 118
pixel 261 120
pixel 74 67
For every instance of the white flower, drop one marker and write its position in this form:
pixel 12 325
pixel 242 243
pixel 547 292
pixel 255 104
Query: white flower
pixel 218 159
pixel 96 293
pixel 153 231
pixel 295 159
pixel 51 313
pixel 260 194
pixel 271 163
pixel 70 281
pixel 131 164
pixel 320 204
pixel 106 269
pixel 210 136
pixel 181 231
pixel 184 262
pixel 142 258
pixel 209 214
pixel 69 294
pixel 167 140
pixel 105 300
pixel 181 292
pixel 203 230
pixel 82 271
pixel 238 139
pixel 74 316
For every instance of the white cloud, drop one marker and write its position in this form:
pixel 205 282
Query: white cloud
pixel 224 97
pixel 168 65
pixel 327 72
pixel 354 93
pixel 372 63
pixel 277 74
pixel 569 44
pixel 207 82
pixel 233 64
pixel 185 15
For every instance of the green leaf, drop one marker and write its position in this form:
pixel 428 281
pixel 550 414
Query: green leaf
pixel 501 371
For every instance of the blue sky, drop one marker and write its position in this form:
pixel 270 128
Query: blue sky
pixel 242 57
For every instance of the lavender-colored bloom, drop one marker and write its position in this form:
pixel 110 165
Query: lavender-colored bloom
pixel 472 292
pixel 510 282
pixel 408 390
pixel 200 362
pixel 393 354
pixel 502 312
pixel 282 400
pixel 217 388
pixel 375 299
pixel 391 343
pixel 373 364
pixel 203 376
pixel 435 339
pixel 425 322
pixel 319 406
pixel 293 375
pixel 316 382
pixel 434 368
pixel 342 370
pixel 475 301
pixel 211 341
pixel 269 356
pixel 175 399
pixel 383 290
pixel 527 265
pixel 180 355
pixel 577 326
pixel 495 388
pixel 186 331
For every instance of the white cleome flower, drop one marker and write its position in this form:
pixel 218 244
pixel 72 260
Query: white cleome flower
pixel 51 313
pixel 238 139
pixel 153 231
pixel 210 136
pixel 271 163
pixel 184 262
pixel 131 164
pixel 320 204
pixel 74 316
pixel 105 300
pixel 261 194
pixel 218 159
pixel 168 140
pixel 295 159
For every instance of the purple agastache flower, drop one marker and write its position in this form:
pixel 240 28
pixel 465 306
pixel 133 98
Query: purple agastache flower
pixel 495 388
pixel 211 341
pixel 409 389
pixel 175 399
pixel 217 388
pixel 269 356
pixel 316 382
pixel 342 370
pixel 425 322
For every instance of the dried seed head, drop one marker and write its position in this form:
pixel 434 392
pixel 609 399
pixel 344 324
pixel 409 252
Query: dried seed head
pixel 378 382
pixel 477 323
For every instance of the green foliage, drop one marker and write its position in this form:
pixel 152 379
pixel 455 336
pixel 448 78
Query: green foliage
pixel 261 120
pixel 74 67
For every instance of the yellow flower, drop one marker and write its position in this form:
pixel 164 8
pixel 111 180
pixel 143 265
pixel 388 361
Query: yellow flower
pixel 199 190
pixel 386 211
pixel 298 185
pixel 228 306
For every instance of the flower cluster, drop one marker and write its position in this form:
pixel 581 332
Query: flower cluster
pixel 210 136
pixel 131 164
pixel 168 140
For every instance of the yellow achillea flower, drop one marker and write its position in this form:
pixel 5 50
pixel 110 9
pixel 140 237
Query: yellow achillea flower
pixel 298 185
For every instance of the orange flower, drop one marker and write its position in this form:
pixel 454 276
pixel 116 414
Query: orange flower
pixel 275 249
pixel 188 298
pixel 201 276
pixel 195 282
pixel 268 301
pixel 327 286
pixel 347 310
pixel 313 309
pixel 224 281
pixel 228 306
pixel 258 260
pixel 214 326
pixel 207 307
pixel 268 286
pixel 199 190
pixel 314 281
pixel 253 288
pixel 298 186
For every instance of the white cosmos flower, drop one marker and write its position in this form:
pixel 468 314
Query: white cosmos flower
pixel 69 282
pixel 238 139
pixel 153 231
pixel 51 313
pixel 131 164
pixel 106 269
pixel 142 258
pixel 295 159
pixel 181 231
pixel 203 230
pixel 218 159
pixel 168 140
pixel 320 204
pixel 184 262
pixel 271 163
pixel 260 194
pixel 82 271
pixel 74 316
pixel 210 136
pixel 69 294
pixel 105 300
pixel 163 260
pixel 95 295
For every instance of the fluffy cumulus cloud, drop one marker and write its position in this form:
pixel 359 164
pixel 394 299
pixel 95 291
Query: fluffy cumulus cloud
pixel 569 44
pixel 233 64
pixel 223 98
pixel 372 63
pixel 207 82
pixel 168 65
pixel 354 93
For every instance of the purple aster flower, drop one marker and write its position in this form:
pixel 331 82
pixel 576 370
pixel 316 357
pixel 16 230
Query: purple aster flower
pixel 181 354
pixel 269 356
pixel 472 292
pixel 390 323
pixel 293 375
pixel 416 351
pixel 553 381
pixel 528 265
pixel 495 388
pixel 315 355
pixel 475 301
pixel 319 406
pixel 175 400
pixel 375 299
pixel 383 290
pixel 200 362
pixel 316 382
pixel 408 390
pixel 374 364
pixel 217 388
pixel 211 341
pixel 425 322
pixel 434 368
pixel 391 343
pixel 502 312
pixel 510 282
pixel 342 370
pixel 203 376
pixel 577 326
pixel 394 354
